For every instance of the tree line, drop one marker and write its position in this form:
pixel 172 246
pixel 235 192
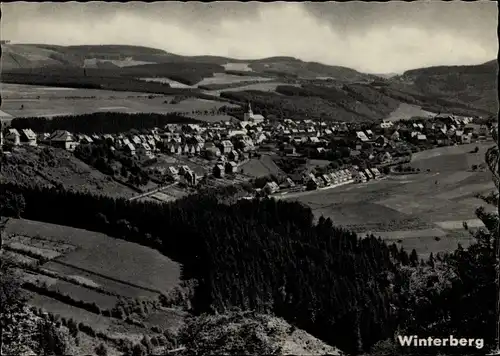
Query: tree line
pixel 101 122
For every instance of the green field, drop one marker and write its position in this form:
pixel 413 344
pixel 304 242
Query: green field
pixel 413 210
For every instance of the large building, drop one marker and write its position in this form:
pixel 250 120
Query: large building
pixel 250 116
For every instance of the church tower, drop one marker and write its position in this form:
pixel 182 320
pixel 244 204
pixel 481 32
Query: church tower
pixel 249 114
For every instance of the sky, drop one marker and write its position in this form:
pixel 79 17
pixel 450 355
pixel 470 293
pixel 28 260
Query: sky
pixel 369 37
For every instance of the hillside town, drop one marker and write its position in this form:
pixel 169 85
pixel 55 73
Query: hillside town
pixel 220 151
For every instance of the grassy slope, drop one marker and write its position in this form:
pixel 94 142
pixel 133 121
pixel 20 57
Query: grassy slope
pixel 56 166
pixel 104 256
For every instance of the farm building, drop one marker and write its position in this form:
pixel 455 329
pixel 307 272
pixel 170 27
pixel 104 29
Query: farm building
pixel 63 139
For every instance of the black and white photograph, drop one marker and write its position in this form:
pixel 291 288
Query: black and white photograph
pixel 249 178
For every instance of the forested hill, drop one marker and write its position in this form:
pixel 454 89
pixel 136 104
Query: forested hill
pixel 284 87
pixel 476 85
pixel 269 256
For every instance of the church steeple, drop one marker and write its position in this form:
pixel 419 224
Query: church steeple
pixel 250 109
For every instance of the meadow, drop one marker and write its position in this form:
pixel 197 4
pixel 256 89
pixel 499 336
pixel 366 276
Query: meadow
pixel 265 87
pixel 263 166
pixel 31 100
pixel 405 111
pixel 422 211
pixel 97 254
pixel 91 269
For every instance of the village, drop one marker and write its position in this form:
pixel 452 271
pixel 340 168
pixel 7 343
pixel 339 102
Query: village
pixel 225 153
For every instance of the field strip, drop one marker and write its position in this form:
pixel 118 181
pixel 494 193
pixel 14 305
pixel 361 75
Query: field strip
pixel 394 235
pixel 113 108
pixel 458 224
pixel 55 88
pixel 466 190
pixel 52 115
pixel 108 277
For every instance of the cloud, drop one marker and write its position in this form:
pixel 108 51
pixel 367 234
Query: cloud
pixel 257 30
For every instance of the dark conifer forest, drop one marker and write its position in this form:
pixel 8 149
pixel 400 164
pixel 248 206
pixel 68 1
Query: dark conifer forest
pixel 269 256
pixel 101 122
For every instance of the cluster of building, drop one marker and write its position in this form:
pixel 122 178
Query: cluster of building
pixel 342 176
pixel 229 144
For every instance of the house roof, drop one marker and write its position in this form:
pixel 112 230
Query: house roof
pixel 30 135
pixel 61 136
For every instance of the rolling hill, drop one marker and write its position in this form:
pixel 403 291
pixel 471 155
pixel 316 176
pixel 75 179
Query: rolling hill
pixel 294 87
pixel 476 85
pixel 33 56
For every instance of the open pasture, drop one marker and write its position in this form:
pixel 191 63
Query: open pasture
pixel 109 285
pixel 224 78
pixel 445 152
pixel 98 322
pixel 417 211
pixel 110 258
pixel 39 101
pixel 263 166
pixel 81 293
pixel 244 67
pixel 266 86
pixel 405 111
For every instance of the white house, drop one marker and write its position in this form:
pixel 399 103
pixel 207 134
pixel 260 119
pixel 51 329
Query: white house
pixel 28 137
pixel 13 137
